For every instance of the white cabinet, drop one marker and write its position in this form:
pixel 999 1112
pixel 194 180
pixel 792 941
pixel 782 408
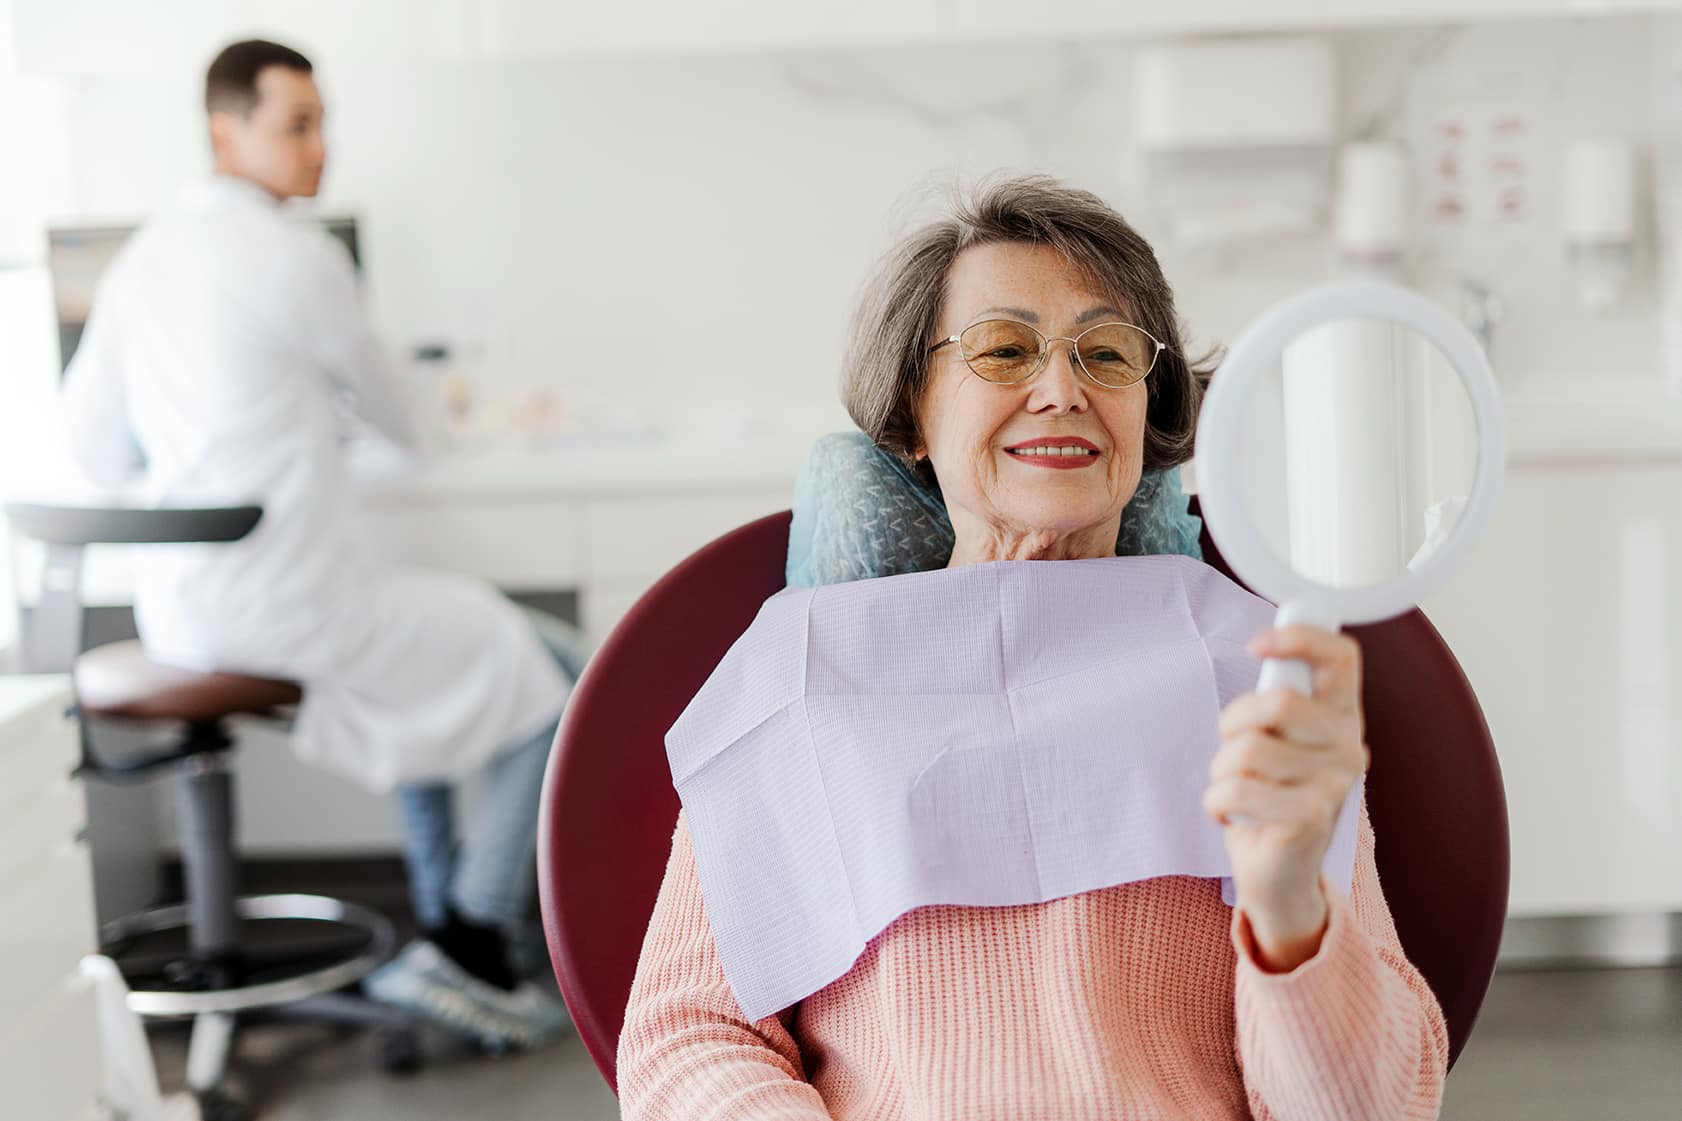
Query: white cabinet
pixel 577 519
pixel 49 1037
pixel 609 548
pixel 1348 12
pixel 48 1053
pixel 116 37
pixel 178 38
pixel 521 543
pixel 537 27
pixel 534 27
pixel 1568 622
pixel 995 19
pixel 333 31
pixel 632 542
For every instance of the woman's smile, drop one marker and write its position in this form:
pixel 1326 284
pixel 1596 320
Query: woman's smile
pixel 1059 453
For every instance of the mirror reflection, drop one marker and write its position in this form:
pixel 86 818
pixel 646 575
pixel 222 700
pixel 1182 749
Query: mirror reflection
pixel 1359 452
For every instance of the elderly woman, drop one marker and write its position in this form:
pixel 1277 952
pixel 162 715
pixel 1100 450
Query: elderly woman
pixel 1025 353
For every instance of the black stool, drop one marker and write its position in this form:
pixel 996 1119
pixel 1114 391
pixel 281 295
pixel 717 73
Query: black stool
pixel 219 977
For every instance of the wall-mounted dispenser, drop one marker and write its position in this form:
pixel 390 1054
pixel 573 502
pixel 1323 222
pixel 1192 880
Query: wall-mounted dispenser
pixel 1600 218
pixel 1372 206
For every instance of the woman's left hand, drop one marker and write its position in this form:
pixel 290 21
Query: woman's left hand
pixel 1284 769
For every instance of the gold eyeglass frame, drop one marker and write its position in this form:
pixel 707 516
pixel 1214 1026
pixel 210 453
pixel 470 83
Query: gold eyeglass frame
pixel 1045 350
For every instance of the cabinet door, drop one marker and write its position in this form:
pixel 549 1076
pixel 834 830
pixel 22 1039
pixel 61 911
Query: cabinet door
pixel 1464 11
pixel 114 38
pixel 332 31
pixel 538 27
pixel 1568 622
pixel 995 19
pixel 633 541
pixel 178 38
pixel 49 1055
pixel 511 542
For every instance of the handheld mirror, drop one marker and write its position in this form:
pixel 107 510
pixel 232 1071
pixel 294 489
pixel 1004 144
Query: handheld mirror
pixel 1349 453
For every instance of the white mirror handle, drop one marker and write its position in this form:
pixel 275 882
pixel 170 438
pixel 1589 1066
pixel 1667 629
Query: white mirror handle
pixel 1291 673
pixel 1286 673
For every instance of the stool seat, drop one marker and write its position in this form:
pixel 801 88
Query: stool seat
pixel 118 679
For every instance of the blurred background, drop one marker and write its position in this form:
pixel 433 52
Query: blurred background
pixel 616 249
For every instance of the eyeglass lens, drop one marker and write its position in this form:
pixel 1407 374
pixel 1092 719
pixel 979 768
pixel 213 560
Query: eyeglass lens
pixel 1003 350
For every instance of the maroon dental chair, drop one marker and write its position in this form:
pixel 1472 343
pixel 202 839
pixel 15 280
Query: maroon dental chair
pixel 1434 791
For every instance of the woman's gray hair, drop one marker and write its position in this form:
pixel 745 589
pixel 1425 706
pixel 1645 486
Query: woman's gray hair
pixel 887 359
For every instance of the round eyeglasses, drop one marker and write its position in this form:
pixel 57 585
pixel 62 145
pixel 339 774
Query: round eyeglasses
pixel 1006 352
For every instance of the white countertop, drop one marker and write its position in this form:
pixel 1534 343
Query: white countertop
pixel 655 467
pixel 739 454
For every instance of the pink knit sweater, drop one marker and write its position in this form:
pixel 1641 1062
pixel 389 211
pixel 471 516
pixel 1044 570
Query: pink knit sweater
pixel 1134 1002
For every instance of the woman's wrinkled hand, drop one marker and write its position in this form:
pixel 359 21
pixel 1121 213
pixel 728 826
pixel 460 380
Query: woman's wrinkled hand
pixel 1284 769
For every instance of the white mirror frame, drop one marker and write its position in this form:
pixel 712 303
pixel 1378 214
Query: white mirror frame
pixel 1220 473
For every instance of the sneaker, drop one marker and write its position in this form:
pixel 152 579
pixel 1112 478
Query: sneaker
pixel 424 981
pixel 528 949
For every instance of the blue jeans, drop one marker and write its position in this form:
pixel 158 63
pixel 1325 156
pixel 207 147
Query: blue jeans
pixel 489 878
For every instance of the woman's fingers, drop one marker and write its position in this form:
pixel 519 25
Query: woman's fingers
pixel 1259 754
pixel 1304 808
pixel 1257 757
pixel 1289 715
pixel 1287 761
pixel 1334 657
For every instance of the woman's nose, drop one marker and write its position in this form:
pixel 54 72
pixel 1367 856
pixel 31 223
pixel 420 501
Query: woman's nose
pixel 1060 384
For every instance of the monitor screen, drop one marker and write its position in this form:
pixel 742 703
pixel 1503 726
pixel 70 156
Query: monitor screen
pixel 77 257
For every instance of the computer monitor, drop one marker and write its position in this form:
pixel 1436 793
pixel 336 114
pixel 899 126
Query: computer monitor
pixel 77 256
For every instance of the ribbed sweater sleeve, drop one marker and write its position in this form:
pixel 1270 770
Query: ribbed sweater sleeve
pixel 1353 1033
pixel 686 1053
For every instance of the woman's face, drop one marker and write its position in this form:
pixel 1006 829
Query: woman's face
pixel 1005 503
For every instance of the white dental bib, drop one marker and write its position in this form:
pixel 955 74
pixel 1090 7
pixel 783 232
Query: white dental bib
pixel 988 735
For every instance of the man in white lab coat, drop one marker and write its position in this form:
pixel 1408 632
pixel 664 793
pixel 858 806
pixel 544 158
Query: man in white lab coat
pixel 225 340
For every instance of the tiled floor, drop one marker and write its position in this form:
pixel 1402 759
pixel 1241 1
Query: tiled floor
pixel 319 1074
pixel 1589 1045
pixel 1599 1045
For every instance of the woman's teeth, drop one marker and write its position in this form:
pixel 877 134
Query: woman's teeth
pixel 1050 451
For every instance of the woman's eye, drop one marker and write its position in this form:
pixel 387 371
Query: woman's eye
pixel 1105 356
pixel 1004 352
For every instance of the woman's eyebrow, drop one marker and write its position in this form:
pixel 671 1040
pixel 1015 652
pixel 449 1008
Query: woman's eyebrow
pixel 1100 312
pixel 1021 313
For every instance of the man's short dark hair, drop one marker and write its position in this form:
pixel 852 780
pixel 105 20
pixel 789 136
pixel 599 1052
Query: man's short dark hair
pixel 230 85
